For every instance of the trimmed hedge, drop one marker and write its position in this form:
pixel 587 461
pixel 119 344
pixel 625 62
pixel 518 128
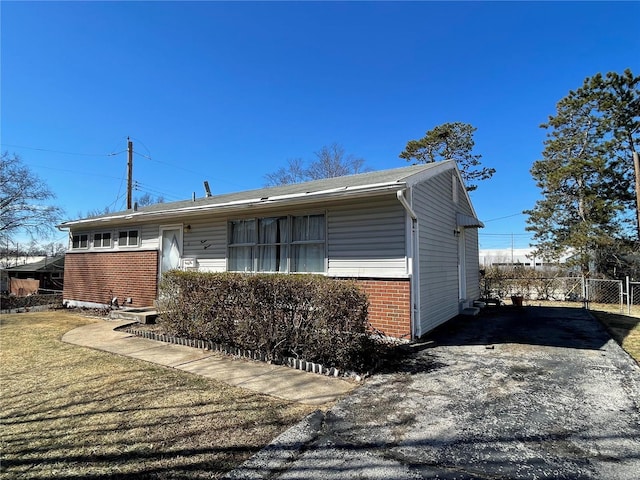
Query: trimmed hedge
pixel 311 317
pixel 11 302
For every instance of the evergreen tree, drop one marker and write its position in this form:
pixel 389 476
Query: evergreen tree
pixel 585 174
pixel 450 141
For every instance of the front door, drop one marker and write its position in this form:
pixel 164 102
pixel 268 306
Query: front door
pixel 170 248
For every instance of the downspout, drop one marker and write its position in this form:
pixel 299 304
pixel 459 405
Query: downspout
pixel 405 204
pixel 414 275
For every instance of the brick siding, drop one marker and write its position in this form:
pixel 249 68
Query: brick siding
pixel 389 305
pixel 98 277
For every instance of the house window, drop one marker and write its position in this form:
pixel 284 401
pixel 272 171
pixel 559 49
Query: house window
pixel 80 241
pixel 277 244
pixel 128 238
pixel 102 240
pixel 308 244
pixel 273 244
pixel 242 239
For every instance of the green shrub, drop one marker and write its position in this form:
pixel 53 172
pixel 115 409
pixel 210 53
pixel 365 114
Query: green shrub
pixel 310 317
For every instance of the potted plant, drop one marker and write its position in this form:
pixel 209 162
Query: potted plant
pixel 517 299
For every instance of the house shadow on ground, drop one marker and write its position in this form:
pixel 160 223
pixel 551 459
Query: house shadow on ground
pixel 531 325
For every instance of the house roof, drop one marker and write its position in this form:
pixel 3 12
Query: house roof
pixel 47 264
pixel 362 184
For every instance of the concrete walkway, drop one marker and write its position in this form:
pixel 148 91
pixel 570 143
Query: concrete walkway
pixel 281 382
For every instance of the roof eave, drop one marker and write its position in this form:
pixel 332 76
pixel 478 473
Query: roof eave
pixel 278 200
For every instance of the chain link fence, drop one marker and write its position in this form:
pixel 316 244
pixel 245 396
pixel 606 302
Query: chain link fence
pixel 540 288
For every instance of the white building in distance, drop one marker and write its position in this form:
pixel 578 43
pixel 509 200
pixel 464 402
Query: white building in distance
pixel 509 257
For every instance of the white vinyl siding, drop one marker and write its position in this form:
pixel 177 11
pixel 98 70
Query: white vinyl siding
pixel 472 249
pixel 367 239
pixel 149 239
pixel 206 241
pixel 438 251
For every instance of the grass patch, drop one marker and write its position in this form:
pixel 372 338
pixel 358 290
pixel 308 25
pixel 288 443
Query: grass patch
pixel 624 329
pixel 72 412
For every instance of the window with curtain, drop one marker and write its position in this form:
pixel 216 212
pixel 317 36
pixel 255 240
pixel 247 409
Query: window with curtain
pixel 273 239
pixel 308 245
pixel 277 244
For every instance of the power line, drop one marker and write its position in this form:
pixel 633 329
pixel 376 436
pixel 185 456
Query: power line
pixel 73 171
pixel 61 152
pixel 140 187
pixel 502 218
pixel 504 234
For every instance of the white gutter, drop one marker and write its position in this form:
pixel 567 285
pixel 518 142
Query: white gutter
pixel 306 196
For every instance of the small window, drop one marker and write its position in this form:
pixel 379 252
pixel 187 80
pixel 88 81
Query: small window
pixel 128 238
pixel 102 240
pixel 80 241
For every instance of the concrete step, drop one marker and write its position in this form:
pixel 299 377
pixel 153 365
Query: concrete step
pixel 140 315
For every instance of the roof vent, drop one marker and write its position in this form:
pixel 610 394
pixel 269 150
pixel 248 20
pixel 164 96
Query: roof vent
pixel 207 189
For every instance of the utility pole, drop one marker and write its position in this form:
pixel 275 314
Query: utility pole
pixel 129 173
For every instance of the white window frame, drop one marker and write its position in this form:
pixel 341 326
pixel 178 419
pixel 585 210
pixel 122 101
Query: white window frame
pixel 290 244
pixel 102 246
pixel 80 247
pixel 128 236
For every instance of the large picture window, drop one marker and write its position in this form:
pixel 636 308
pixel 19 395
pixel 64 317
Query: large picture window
pixel 277 244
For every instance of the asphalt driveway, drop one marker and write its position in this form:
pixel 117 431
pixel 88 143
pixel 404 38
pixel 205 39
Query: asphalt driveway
pixel 516 393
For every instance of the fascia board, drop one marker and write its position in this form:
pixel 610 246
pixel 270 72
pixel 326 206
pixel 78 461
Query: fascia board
pixel 284 200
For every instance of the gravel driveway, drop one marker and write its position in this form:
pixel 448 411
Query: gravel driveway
pixel 517 393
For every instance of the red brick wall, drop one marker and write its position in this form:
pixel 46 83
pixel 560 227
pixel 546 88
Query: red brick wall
pixel 389 305
pixel 97 277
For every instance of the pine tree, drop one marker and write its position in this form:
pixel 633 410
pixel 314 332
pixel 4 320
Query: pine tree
pixel 585 175
pixel 450 141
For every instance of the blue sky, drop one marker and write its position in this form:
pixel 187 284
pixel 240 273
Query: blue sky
pixel 228 92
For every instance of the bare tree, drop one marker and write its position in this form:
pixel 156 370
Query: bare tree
pixel 294 172
pixel 22 197
pixel 331 161
pixel 148 199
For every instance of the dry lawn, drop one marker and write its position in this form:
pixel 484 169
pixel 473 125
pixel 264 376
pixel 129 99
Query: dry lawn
pixel 72 412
